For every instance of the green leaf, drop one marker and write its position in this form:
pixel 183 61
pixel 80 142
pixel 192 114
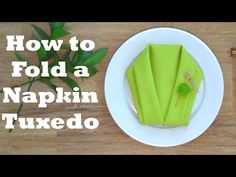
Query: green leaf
pixel 57 33
pixel 40 32
pixel 84 55
pixel 48 82
pixel 76 55
pixel 96 58
pixel 57 30
pixel 70 82
pixel 55 25
pixel 20 57
pixel 69 67
pixel 80 56
pixel 42 54
pixel 92 71
pixel 75 58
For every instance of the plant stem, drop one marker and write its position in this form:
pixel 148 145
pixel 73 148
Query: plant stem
pixel 22 84
pixel 21 104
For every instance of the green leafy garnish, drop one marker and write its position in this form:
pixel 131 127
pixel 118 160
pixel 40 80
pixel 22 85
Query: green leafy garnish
pixel 184 89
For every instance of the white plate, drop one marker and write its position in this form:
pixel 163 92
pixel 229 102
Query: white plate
pixel 207 104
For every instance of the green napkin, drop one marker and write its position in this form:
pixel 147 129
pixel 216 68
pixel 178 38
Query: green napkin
pixel 154 78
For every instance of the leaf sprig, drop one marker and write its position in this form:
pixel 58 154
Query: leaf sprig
pixel 86 58
pixel 186 87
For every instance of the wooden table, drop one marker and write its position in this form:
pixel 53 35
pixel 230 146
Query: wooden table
pixel 220 138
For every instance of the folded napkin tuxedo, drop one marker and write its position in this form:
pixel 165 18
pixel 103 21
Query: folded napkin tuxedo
pixel 154 78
